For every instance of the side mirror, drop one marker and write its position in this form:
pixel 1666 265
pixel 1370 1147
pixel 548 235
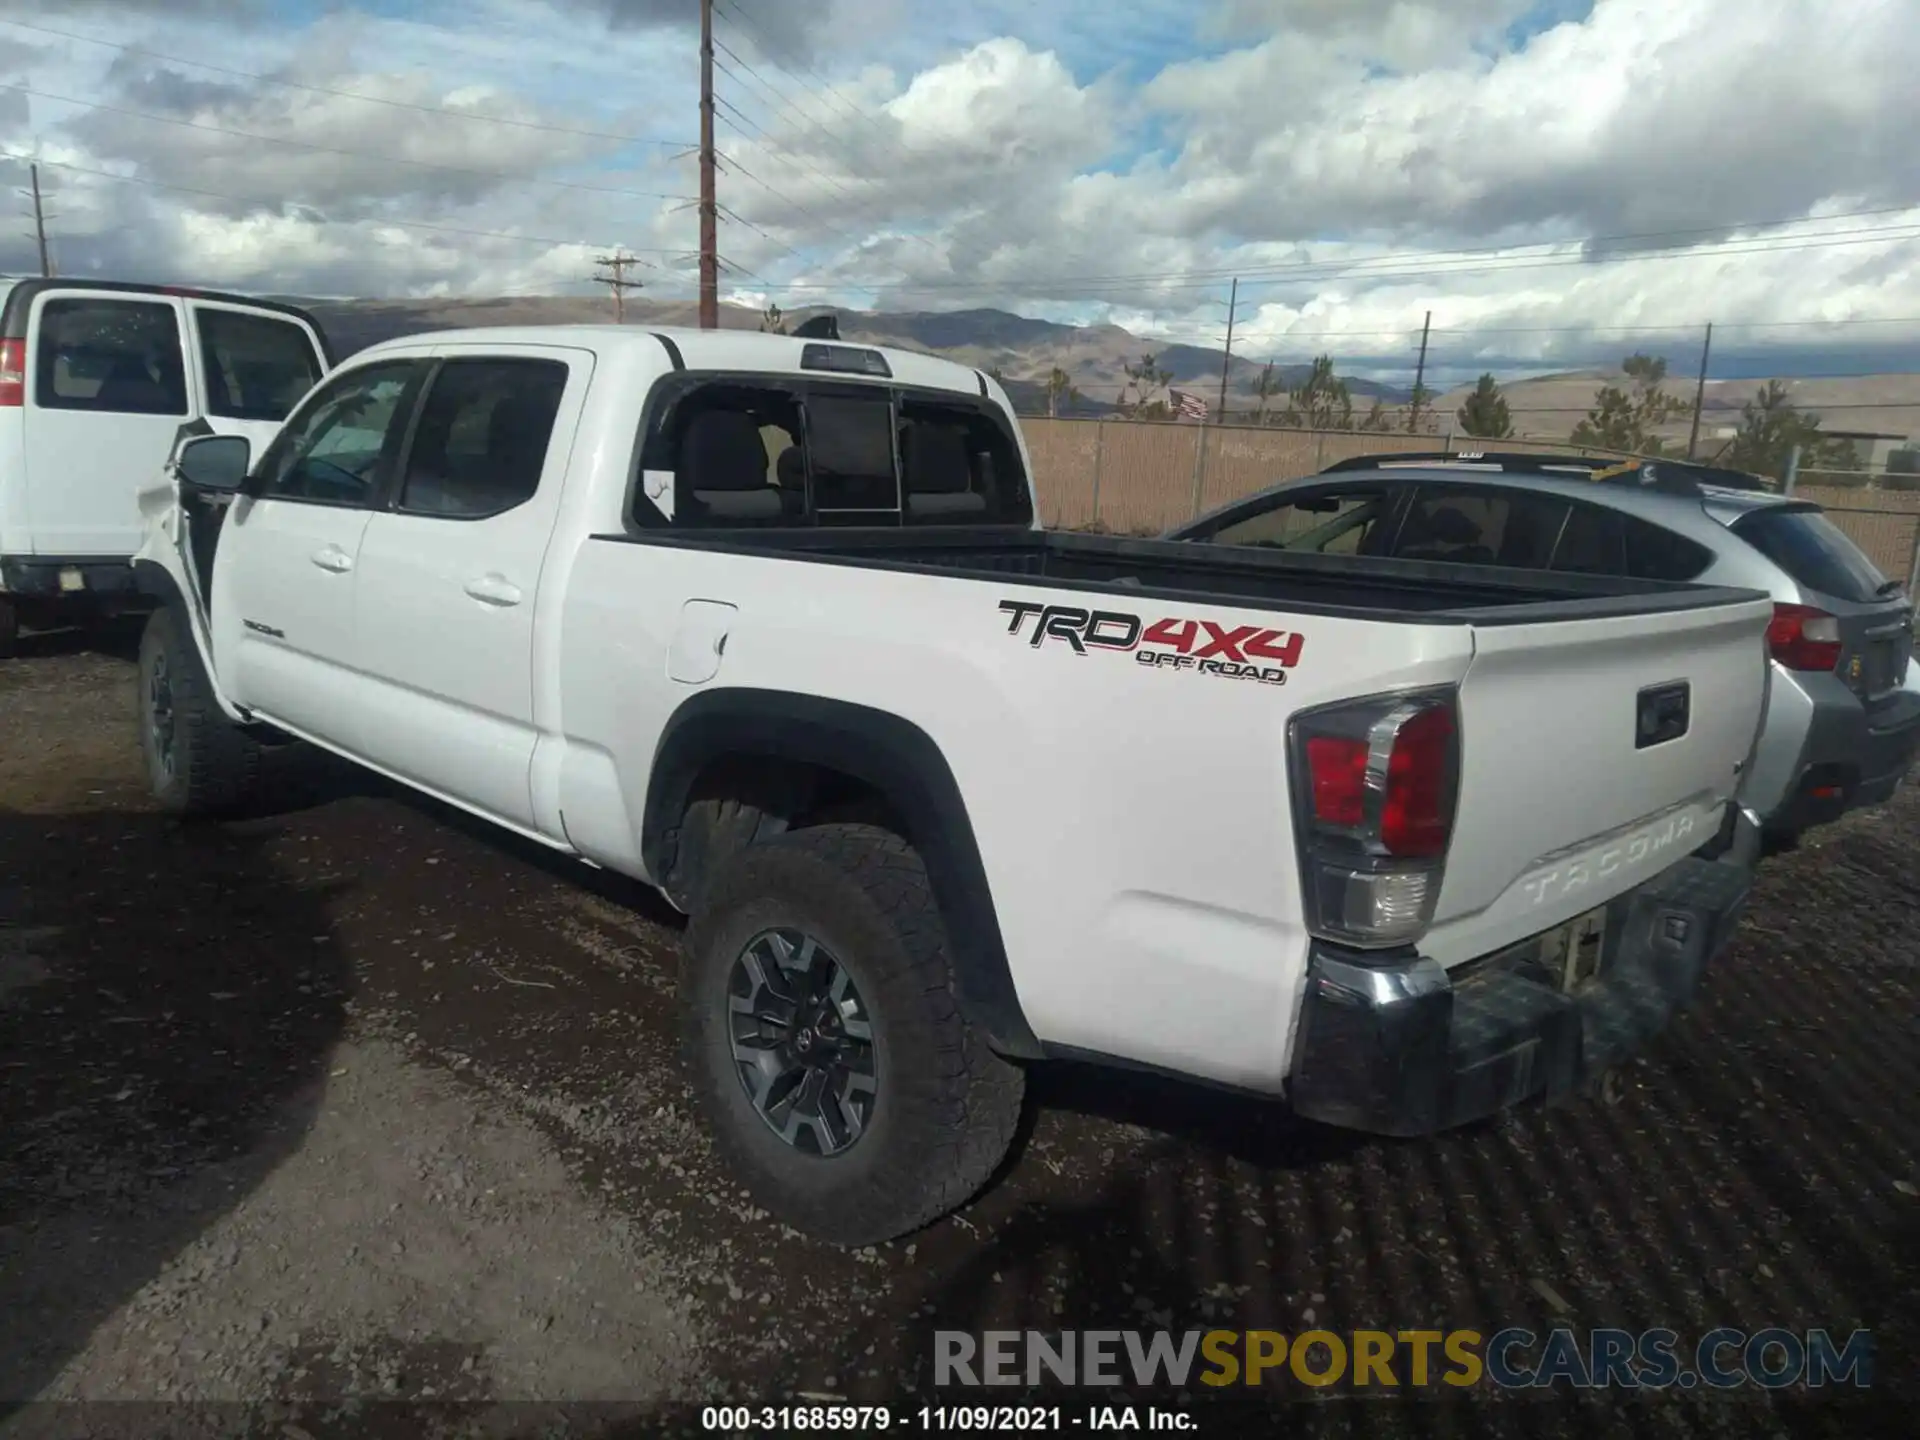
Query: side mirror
pixel 216 463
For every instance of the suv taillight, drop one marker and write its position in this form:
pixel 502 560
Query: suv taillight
pixel 1803 638
pixel 1374 783
pixel 13 373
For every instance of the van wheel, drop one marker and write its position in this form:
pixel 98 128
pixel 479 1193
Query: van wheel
pixel 198 761
pixel 825 1043
pixel 9 628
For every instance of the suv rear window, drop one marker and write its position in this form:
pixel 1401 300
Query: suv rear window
pixel 1814 551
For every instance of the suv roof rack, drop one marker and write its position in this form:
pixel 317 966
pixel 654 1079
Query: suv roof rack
pixel 1479 459
pixel 1672 477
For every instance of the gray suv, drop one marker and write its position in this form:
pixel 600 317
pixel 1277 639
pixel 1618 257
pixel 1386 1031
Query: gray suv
pixel 1843 712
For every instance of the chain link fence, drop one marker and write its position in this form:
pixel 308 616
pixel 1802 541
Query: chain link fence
pixel 1142 477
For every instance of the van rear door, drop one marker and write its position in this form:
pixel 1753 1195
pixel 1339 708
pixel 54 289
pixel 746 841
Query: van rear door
pixel 107 389
pixel 254 364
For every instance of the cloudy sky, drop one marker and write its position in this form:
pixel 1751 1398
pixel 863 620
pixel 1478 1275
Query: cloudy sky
pixel 1555 180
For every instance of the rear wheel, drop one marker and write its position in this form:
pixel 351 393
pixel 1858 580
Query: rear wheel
pixel 9 628
pixel 842 1082
pixel 198 761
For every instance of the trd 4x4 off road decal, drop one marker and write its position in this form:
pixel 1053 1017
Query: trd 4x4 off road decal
pixel 1238 652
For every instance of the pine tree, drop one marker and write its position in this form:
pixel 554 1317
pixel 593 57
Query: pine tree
pixel 1484 415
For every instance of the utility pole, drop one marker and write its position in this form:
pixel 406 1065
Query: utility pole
pixel 616 280
pixel 709 209
pixel 1700 392
pixel 1226 363
pixel 1420 377
pixel 39 220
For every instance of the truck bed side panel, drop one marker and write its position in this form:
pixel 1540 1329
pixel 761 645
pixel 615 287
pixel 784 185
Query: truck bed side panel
pixel 1133 818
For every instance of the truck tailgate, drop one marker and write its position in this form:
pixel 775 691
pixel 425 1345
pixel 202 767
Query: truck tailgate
pixel 1569 794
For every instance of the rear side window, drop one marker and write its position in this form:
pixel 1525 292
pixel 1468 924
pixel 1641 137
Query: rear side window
pixel 738 453
pixel 1656 553
pixel 1481 527
pixel 1814 551
pixel 481 442
pixel 1347 523
pixel 256 367
pixel 1607 542
pixel 117 357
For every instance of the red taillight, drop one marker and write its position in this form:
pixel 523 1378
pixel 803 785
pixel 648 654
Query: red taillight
pixel 1416 812
pixel 13 373
pixel 1339 769
pixel 1374 784
pixel 1803 638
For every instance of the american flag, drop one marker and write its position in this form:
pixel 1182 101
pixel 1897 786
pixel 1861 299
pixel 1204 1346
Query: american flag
pixel 1187 406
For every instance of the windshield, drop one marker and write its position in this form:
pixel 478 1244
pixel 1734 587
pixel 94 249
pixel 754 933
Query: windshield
pixel 1815 552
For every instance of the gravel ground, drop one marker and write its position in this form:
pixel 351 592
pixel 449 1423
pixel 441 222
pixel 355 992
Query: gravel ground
pixel 365 1103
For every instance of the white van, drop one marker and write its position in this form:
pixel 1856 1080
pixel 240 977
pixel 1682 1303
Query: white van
pixel 98 380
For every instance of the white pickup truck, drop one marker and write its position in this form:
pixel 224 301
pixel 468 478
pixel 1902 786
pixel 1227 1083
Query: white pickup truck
pixel 768 624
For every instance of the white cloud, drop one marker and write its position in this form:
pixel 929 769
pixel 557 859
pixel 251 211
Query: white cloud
pixel 1040 158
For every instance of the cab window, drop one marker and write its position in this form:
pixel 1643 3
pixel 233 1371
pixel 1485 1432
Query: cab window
pixel 340 446
pixel 741 453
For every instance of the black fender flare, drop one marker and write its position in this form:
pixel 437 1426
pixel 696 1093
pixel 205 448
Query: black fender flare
pixel 897 759
pixel 156 582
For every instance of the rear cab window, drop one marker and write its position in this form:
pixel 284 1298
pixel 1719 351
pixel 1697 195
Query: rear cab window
pixel 1814 551
pixel 723 451
pixel 254 366
pixel 109 356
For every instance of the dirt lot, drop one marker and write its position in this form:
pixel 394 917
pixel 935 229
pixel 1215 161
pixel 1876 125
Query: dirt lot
pixel 363 1103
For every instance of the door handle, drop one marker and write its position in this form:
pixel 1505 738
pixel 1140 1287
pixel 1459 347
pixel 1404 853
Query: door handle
pixel 493 590
pixel 332 557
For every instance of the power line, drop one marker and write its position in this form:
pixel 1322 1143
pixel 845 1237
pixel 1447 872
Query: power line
pixel 732 164
pixel 1331 271
pixel 416 106
pixel 282 202
pixel 351 154
pixel 788 153
pixel 1446 262
pixel 740 119
pixel 768 49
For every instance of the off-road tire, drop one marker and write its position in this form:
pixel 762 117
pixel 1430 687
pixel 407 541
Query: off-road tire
pixel 946 1106
pixel 216 767
pixel 9 628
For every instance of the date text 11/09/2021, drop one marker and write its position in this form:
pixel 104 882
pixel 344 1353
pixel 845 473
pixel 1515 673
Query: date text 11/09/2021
pixel 934 1419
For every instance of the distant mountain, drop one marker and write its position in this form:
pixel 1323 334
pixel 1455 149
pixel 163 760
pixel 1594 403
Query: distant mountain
pixel 1022 350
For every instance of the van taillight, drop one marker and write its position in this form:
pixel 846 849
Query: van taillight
pixel 1374 787
pixel 1803 638
pixel 13 373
